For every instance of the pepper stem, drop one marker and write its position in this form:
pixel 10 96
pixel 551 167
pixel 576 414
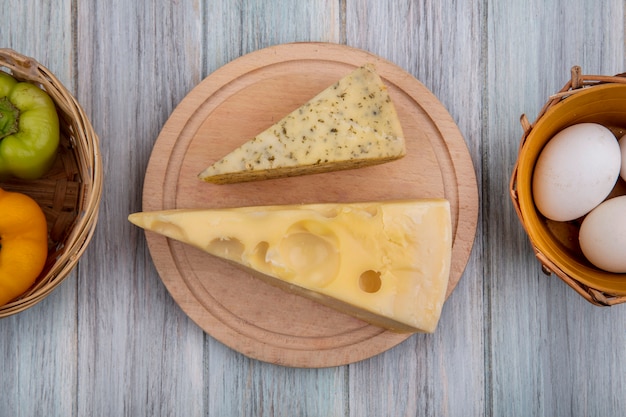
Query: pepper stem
pixel 9 118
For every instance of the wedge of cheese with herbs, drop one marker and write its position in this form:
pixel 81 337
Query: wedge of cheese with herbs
pixel 351 124
pixel 387 263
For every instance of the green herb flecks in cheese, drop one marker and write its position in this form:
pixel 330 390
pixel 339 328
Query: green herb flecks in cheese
pixel 351 124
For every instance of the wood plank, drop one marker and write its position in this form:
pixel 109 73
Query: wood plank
pixel 36 344
pixel 138 354
pixel 236 385
pixel 441 374
pixel 549 351
pixel 36 35
pixel 235 29
pixel 241 386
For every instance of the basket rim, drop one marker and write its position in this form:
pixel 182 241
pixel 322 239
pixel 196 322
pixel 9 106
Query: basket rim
pixel 85 143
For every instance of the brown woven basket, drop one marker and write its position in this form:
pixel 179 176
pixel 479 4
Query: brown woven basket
pixel 584 98
pixel 69 193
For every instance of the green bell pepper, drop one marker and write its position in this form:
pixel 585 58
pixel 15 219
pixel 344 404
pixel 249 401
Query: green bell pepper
pixel 29 129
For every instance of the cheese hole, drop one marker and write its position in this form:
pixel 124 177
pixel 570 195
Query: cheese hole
pixel 226 247
pixel 370 281
pixel 329 212
pixel 260 252
pixel 373 211
pixel 311 257
pixel 168 229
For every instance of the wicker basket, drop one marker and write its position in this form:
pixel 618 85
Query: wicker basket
pixel 585 98
pixel 70 192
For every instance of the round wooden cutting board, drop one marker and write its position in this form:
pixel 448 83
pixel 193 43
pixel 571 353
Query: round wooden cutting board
pixel 232 105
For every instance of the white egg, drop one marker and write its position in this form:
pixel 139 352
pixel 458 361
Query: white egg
pixel 602 235
pixel 576 171
pixel 622 146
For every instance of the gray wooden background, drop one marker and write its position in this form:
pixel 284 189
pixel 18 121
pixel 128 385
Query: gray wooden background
pixel 110 341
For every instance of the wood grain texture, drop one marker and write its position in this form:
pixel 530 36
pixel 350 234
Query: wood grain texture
pixel 38 347
pixel 246 385
pixel 138 354
pixel 511 341
pixel 431 375
pixel 567 352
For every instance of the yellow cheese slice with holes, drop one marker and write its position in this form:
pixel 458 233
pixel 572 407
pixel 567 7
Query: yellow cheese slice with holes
pixel 351 124
pixel 384 262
